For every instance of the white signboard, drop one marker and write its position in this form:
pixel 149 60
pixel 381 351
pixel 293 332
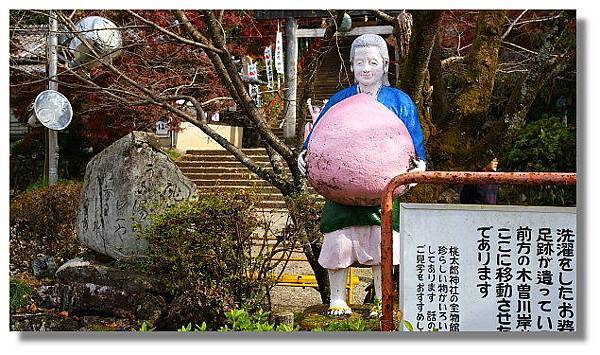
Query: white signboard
pixel 488 268
pixel 162 128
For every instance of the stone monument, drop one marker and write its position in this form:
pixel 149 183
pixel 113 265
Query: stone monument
pixel 123 185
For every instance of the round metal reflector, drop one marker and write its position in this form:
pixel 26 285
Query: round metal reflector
pixel 53 110
pixel 101 32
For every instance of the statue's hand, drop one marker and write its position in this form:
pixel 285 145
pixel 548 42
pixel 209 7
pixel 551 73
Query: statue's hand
pixel 419 166
pixel 302 162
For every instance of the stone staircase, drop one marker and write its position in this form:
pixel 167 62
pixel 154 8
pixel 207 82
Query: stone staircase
pixel 218 169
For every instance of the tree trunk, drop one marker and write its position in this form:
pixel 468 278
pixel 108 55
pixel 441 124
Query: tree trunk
pixel 425 27
pixel 311 245
pixel 439 101
pixel 453 146
pixel 544 67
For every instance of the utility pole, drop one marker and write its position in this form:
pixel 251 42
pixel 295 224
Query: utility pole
pixel 52 85
pixel 291 60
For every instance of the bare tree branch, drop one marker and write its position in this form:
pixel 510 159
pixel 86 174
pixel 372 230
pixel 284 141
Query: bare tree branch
pixel 513 24
pixel 199 120
pixel 450 61
pixel 174 35
pixel 246 100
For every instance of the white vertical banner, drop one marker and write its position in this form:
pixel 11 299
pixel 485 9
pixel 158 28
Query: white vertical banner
pixel 253 90
pixel 279 66
pixel 269 66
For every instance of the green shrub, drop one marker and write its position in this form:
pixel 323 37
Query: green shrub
pixel 44 221
pixel 145 327
pixel 19 294
pixel 543 145
pixel 358 325
pixel 26 161
pixel 196 328
pixel 203 248
pixel 242 321
pixel 411 329
pixel 37 185
pixel 42 184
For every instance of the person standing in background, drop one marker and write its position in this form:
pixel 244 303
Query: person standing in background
pixel 484 194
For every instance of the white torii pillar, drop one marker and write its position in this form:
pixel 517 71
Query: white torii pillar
pixel 291 72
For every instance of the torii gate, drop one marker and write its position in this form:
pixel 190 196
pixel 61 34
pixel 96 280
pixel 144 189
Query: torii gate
pixel 292 33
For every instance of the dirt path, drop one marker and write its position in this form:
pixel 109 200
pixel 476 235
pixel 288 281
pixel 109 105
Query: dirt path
pixel 287 298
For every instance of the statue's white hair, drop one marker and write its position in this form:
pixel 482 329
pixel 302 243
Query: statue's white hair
pixel 373 40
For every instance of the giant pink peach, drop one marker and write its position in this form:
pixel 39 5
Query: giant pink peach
pixel 357 147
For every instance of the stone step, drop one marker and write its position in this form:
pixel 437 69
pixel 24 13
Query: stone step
pixel 261 184
pixel 200 174
pixel 269 192
pixel 216 169
pixel 216 164
pixel 247 151
pixel 221 158
pixel 213 170
pixel 269 202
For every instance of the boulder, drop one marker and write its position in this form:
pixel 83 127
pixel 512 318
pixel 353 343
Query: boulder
pixel 48 321
pixel 87 288
pixel 40 322
pixel 80 271
pixel 123 185
pixel 43 266
pixel 90 299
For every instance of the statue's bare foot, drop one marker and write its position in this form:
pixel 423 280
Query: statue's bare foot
pixel 376 309
pixel 338 308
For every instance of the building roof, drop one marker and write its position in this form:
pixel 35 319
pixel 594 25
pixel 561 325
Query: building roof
pixel 28 48
pixel 275 14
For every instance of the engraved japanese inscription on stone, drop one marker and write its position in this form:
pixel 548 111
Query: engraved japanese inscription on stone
pixel 123 185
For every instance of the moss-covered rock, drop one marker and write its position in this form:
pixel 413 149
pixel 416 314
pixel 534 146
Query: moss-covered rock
pixel 316 318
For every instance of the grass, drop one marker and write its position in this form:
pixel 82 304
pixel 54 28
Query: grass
pixel 173 154
pixel 19 294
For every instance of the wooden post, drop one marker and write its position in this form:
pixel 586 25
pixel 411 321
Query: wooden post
pixel 349 286
pixel 52 85
pixel 291 60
